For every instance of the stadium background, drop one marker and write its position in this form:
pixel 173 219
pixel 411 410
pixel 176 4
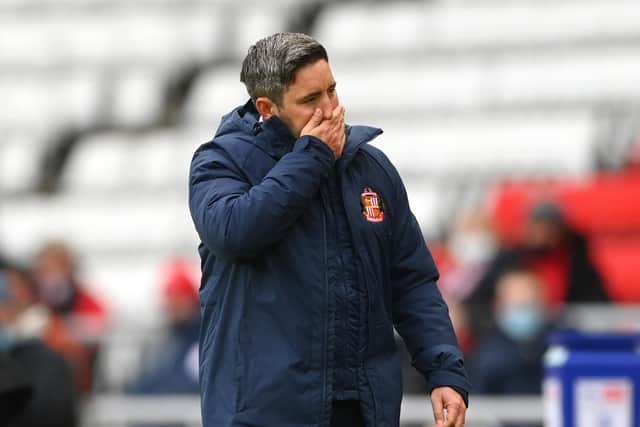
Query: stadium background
pixel 487 107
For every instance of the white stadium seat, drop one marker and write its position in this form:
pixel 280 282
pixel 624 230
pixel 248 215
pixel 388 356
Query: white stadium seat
pixel 116 35
pixel 492 146
pixel 132 224
pixel 137 96
pixel 215 93
pixel 35 101
pixel 366 28
pixel 518 80
pixel 20 157
pixel 121 161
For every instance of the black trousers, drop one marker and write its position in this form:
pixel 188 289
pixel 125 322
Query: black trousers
pixel 346 413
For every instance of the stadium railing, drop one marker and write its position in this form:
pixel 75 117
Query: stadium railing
pixel 120 410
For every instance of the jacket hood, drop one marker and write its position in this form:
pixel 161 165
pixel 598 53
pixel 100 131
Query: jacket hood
pixel 274 137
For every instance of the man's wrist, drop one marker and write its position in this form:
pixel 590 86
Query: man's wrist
pixel 463 393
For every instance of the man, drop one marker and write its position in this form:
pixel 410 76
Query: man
pixel 310 257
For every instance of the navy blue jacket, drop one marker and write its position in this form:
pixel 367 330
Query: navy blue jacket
pixel 259 201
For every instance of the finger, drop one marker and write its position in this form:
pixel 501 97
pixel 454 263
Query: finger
pixel 339 119
pixel 338 127
pixel 336 111
pixel 461 418
pixel 453 413
pixel 316 119
pixel 438 410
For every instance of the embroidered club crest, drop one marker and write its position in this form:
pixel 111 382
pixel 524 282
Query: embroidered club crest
pixel 372 205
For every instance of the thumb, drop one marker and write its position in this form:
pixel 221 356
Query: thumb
pixel 438 410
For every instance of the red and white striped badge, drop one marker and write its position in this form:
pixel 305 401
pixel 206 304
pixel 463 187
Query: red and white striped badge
pixel 372 205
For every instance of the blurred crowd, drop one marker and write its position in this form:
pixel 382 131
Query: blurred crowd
pixel 505 294
pixel 52 329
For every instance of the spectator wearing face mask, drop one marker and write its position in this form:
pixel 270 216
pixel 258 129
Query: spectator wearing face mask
pixel 78 319
pixel 508 360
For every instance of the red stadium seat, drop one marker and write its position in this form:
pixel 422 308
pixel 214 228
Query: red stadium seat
pixel 617 259
pixel 605 204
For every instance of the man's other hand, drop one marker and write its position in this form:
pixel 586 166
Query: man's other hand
pixel 447 398
pixel 330 131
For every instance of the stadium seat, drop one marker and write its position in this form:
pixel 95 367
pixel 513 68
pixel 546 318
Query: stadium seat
pixel 607 203
pixel 160 36
pixel 215 93
pixel 137 96
pixel 491 146
pixel 126 161
pixel 617 259
pixel 20 156
pixel 420 84
pixel 36 101
pixel 359 28
pixel 602 205
pixel 134 223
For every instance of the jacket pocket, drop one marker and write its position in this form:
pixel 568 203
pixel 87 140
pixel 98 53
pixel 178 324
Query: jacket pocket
pixel 241 367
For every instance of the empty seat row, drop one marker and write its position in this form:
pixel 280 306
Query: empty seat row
pixel 579 77
pixel 494 145
pixel 133 224
pixel 120 161
pixel 46 101
pixel 20 160
pixel 422 85
pixel 162 37
pixel 490 145
pixel 374 28
pixel 80 97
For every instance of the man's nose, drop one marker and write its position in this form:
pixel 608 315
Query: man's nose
pixel 327 106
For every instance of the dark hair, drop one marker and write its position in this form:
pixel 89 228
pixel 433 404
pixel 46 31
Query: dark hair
pixel 271 63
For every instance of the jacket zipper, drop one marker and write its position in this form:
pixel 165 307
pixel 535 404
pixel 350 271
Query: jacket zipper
pixel 359 257
pixel 325 313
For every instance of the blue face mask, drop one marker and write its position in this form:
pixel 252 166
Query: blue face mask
pixel 521 322
pixel 7 339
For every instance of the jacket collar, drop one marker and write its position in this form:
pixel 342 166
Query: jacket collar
pixel 274 137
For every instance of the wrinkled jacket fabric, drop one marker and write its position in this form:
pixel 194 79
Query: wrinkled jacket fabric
pixel 260 204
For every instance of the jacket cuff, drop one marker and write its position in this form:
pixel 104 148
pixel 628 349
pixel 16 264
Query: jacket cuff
pixel 315 145
pixel 462 392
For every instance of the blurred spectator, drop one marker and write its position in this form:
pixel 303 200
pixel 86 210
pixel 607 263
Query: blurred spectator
pixel 173 367
pixel 471 246
pixel 460 322
pixel 557 254
pixel 508 360
pixel 78 319
pixel 36 384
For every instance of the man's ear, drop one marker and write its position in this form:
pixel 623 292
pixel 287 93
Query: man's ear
pixel 266 108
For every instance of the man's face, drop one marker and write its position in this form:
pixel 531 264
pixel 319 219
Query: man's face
pixel 313 87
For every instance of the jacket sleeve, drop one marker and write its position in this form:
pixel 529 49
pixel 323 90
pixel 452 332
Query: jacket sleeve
pixel 420 314
pixel 236 220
